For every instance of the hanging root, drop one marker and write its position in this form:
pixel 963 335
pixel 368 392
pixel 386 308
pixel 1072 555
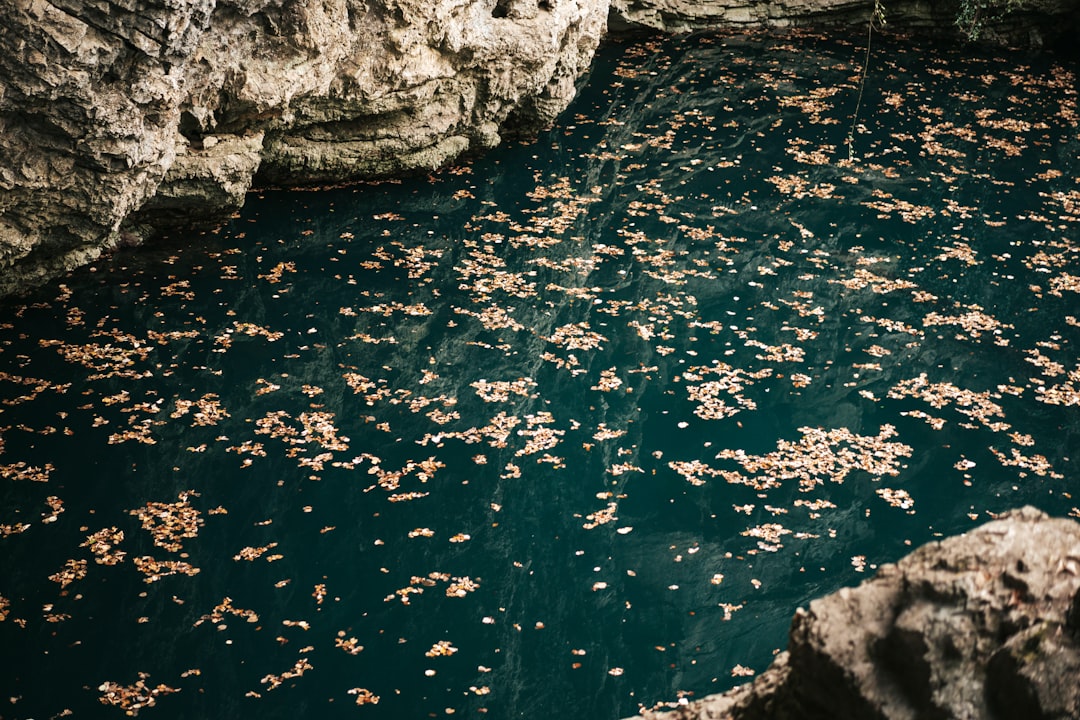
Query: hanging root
pixel 877 19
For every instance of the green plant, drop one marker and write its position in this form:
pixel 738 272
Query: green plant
pixel 973 15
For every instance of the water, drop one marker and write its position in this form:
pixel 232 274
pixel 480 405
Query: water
pixel 571 429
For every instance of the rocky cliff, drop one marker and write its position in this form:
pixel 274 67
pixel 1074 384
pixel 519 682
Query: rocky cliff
pixel 983 625
pixel 116 115
pixel 121 116
pixel 1027 23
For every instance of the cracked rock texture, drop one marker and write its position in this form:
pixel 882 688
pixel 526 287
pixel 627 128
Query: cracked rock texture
pixel 1031 23
pixel 122 117
pixel 117 116
pixel 982 625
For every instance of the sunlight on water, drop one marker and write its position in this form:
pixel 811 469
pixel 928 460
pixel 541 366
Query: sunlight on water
pixel 569 430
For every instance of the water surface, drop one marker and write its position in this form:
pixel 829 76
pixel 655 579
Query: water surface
pixel 568 430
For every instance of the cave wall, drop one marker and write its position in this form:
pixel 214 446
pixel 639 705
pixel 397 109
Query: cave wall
pixel 119 116
pixel 1033 23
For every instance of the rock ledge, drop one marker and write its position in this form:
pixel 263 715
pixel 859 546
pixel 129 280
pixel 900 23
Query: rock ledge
pixel 982 625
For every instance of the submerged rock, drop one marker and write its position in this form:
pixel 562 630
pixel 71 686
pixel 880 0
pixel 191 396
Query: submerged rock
pixel 983 625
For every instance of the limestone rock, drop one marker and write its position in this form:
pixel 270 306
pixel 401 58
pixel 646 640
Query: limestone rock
pixel 214 178
pixel 117 115
pixel 88 114
pixel 1032 23
pixel 983 625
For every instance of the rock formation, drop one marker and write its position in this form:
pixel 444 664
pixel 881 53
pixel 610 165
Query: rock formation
pixel 121 116
pixel 116 115
pixel 1030 23
pixel 983 625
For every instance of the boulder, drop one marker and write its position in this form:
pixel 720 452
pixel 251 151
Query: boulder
pixel 982 625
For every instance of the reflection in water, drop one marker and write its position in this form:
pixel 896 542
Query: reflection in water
pixel 568 430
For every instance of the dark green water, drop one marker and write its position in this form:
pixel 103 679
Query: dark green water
pixel 570 430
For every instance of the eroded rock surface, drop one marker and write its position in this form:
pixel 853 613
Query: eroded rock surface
pixel 1031 23
pixel 118 115
pixel 983 625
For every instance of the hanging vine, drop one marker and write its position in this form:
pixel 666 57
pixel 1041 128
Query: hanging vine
pixel 877 20
pixel 974 15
